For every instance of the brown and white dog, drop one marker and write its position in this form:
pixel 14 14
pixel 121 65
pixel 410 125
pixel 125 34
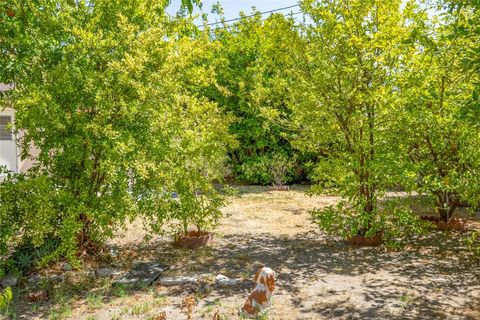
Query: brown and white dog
pixel 260 298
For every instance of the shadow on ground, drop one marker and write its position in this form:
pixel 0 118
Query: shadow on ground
pixel 318 277
pixel 430 281
pixel 322 278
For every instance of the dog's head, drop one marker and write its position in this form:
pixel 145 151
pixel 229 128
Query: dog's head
pixel 265 276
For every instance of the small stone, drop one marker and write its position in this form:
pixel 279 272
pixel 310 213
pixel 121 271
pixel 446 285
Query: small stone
pixel 40 295
pixel 177 281
pixel 224 281
pixel 67 266
pixel 107 272
pixel 10 280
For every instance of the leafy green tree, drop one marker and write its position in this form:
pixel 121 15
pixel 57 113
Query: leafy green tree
pixel 198 161
pixel 344 92
pixel 21 19
pixel 104 89
pixel 251 59
pixel 466 22
pixel 439 140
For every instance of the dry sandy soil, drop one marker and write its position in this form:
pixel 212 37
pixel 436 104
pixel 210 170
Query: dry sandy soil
pixel 318 277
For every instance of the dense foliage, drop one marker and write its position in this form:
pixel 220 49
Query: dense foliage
pixel 346 82
pixel 442 145
pixel 136 114
pixel 106 93
pixel 251 64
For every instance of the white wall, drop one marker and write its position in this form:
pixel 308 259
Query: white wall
pixel 10 152
pixel 8 148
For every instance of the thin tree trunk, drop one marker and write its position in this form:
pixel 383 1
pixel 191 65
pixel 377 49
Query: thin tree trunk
pixel 446 205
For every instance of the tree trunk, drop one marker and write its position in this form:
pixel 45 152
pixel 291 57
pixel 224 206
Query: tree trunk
pixel 84 242
pixel 366 158
pixel 446 205
pixel 366 194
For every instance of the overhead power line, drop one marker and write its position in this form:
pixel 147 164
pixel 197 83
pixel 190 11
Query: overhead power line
pixel 261 20
pixel 252 15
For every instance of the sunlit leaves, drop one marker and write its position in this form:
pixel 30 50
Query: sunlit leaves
pixel 108 93
pixel 5 297
pixel 344 94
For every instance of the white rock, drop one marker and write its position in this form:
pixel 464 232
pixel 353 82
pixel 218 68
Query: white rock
pixel 222 280
pixel 177 281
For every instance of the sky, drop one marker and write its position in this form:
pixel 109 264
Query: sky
pixel 232 8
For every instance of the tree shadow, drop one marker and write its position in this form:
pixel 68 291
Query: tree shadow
pixel 320 276
pixel 428 281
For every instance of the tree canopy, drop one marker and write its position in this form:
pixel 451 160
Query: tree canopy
pixel 106 93
pixel 138 114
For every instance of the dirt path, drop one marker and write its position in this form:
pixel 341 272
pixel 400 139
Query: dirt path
pixel 317 277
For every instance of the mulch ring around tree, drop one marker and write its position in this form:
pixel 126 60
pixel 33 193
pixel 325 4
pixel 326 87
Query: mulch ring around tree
pixel 193 240
pixel 375 240
pixel 455 224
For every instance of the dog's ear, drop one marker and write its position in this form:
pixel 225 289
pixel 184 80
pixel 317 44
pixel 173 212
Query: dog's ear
pixel 270 282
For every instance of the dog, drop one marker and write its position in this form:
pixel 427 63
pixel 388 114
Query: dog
pixel 259 299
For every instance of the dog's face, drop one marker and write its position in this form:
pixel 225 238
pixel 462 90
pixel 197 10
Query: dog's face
pixel 265 276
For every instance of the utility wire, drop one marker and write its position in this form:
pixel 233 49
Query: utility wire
pixel 231 25
pixel 429 5
pixel 252 15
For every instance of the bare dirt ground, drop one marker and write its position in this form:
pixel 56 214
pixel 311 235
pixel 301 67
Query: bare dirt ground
pixel 318 277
